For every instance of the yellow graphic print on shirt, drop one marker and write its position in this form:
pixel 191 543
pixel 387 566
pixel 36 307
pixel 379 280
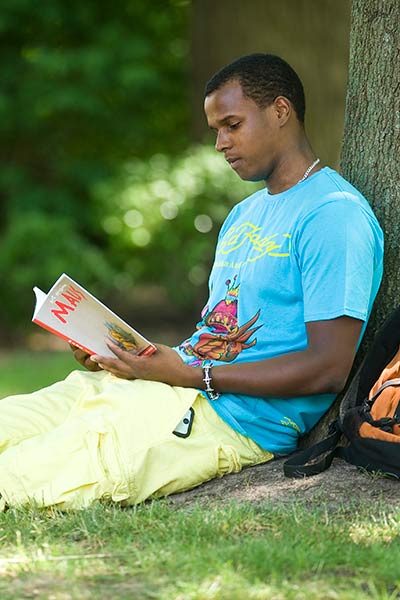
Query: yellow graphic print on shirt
pixel 275 245
pixel 288 422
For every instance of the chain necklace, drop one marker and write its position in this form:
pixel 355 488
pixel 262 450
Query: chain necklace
pixel 308 171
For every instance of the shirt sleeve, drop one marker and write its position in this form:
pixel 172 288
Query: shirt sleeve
pixel 336 251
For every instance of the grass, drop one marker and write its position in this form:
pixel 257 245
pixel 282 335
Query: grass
pixel 22 372
pixel 233 552
pixel 206 552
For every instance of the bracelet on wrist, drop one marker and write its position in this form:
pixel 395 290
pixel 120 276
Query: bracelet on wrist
pixel 207 365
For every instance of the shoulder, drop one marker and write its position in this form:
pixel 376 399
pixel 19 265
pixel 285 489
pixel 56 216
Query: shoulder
pixel 332 199
pixel 327 186
pixel 336 218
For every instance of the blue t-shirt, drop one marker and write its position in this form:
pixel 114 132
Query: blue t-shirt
pixel 311 253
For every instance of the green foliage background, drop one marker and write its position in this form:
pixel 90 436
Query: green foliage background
pixel 162 216
pixel 97 177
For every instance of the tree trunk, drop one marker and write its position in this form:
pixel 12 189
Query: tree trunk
pixel 370 152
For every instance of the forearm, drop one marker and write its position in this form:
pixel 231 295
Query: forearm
pixel 321 368
pixel 295 374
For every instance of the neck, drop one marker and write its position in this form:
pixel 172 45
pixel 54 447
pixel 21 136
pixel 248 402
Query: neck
pixel 291 166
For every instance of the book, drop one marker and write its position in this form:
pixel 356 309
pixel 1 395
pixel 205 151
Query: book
pixel 74 314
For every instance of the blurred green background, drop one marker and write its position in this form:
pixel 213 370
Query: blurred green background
pixel 107 170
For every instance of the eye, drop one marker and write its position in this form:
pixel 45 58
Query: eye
pixel 234 126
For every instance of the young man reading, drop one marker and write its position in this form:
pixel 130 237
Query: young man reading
pixel 297 268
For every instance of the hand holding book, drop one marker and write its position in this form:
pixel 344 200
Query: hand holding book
pixel 72 313
pixel 164 366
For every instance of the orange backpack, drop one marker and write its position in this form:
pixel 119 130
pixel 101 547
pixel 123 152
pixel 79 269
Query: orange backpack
pixel 382 409
pixel 369 419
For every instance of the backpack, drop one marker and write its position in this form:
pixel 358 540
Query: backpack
pixel 369 415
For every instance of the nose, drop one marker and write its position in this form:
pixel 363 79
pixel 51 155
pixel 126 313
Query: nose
pixel 222 141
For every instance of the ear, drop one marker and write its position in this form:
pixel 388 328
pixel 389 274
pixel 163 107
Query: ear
pixel 283 109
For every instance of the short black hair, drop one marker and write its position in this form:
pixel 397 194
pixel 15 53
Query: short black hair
pixel 263 77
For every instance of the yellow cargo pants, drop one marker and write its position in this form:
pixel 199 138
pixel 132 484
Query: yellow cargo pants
pixel 95 436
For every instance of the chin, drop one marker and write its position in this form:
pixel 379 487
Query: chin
pixel 248 176
pixel 256 179
pixel 252 178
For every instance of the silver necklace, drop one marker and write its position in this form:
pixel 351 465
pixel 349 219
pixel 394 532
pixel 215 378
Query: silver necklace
pixel 308 171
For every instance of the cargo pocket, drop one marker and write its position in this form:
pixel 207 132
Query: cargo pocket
pixel 57 468
pixel 228 460
pixel 231 461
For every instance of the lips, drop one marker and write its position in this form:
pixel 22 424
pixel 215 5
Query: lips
pixel 232 160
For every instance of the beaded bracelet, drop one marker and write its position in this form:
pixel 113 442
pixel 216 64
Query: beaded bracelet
pixel 207 365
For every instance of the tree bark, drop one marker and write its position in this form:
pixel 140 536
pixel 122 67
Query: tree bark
pixel 370 153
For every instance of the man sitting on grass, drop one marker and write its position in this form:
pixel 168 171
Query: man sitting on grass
pixel 297 268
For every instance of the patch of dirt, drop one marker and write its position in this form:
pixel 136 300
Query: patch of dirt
pixel 341 486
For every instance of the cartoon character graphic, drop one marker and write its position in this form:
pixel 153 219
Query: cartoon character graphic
pixel 226 339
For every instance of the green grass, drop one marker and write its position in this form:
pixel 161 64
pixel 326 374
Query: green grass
pixel 159 551
pixel 24 371
pixel 231 553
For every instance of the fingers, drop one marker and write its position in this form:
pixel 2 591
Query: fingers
pixel 83 358
pixel 115 366
pixel 90 365
pixel 124 355
pixel 124 364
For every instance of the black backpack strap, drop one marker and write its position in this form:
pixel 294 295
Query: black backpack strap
pixel 298 466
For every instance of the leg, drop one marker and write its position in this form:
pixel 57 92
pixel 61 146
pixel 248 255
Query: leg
pixel 59 466
pixel 119 443
pixel 176 464
pixel 80 460
pixel 27 415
